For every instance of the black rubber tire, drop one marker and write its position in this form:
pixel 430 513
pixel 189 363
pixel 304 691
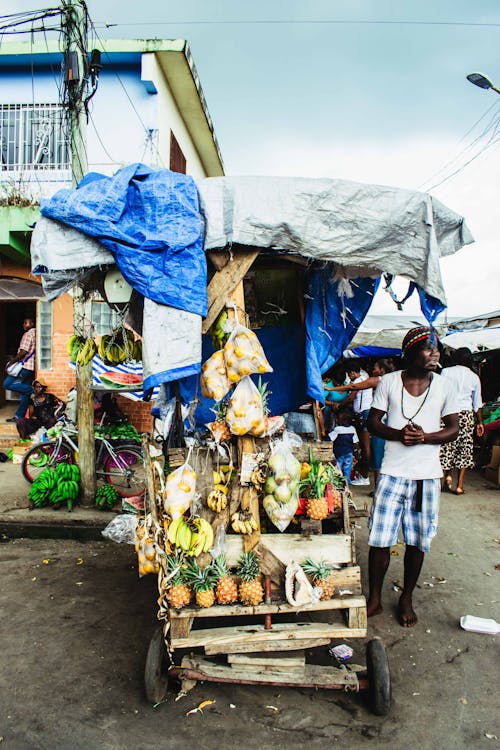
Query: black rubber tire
pixel 155 669
pixel 135 483
pixel 54 456
pixel 379 677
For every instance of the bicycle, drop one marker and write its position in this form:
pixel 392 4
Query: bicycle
pixel 121 466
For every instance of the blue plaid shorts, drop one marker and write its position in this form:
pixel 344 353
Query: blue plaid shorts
pixel 394 501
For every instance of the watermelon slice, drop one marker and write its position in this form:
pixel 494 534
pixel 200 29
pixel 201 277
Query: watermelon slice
pixel 121 379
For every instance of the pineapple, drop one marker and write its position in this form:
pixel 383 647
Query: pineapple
pixel 321 576
pixel 179 593
pixel 317 508
pixel 250 590
pixel 227 590
pixel 203 582
pixel 219 429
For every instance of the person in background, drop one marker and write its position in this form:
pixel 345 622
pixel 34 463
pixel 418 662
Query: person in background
pixel 333 399
pixel 467 389
pixel 43 411
pixel 343 437
pixel 377 444
pixel 408 409
pixel 22 383
pixel 361 407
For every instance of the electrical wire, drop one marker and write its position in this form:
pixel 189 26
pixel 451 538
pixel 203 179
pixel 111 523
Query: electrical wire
pixel 113 161
pixel 304 22
pixel 457 171
pixel 492 125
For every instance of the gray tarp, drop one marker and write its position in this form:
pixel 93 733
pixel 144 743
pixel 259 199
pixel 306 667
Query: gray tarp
pixel 372 227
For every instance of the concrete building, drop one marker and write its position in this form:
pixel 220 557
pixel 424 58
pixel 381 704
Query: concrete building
pixel 149 107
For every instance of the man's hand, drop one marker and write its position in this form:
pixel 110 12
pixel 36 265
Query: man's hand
pixel 412 434
pixel 480 429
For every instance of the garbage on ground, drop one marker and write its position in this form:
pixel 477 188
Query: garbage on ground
pixel 342 652
pixel 480 625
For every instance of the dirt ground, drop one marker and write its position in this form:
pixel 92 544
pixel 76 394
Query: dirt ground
pixel 77 622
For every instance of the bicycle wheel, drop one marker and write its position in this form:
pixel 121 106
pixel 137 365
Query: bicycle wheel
pixel 43 455
pixel 125 471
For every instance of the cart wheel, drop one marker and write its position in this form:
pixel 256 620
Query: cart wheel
pixel 379 677
pixel 155 670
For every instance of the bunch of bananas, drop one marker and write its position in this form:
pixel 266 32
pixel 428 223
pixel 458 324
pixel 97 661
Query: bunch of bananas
pixel 243 522
pixel 217 499
pixel 60 485
pixel 81 350
pixel 119 346
pixel 219 331
pixel 193 536
pixel 106 496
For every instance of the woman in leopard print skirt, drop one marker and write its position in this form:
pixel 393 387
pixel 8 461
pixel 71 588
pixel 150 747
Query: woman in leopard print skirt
pixel 467 388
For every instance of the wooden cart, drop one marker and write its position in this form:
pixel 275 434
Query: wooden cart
pixel 266 644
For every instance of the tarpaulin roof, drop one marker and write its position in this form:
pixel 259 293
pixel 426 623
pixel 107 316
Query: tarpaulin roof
pixel 370 228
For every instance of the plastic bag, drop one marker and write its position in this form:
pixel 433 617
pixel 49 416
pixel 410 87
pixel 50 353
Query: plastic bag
pixel 180 487
pixel 214 380
pixel 245 412
pixel 282 484
pixel 244 354
pixel 121 529
pixel 145 547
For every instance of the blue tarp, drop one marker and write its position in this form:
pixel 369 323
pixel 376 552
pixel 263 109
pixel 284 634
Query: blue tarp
pixel 284 347
pixel 375 351
pixel 332 319
pixel 149 219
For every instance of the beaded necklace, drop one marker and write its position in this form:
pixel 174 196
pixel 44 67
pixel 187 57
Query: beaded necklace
pixel 427 390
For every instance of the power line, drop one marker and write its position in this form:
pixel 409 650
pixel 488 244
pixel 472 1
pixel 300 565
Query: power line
pixel 303 22
pixel 489 145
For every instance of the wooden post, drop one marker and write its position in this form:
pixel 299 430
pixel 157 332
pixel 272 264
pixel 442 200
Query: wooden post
pixel 76 25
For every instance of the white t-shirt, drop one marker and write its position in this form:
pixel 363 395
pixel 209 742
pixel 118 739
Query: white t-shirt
pixel 362 399
pixel 466 386
pixel 413 461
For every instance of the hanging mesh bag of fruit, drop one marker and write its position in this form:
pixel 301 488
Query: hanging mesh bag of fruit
pixel 180 487
pixel 243 354
pixel 282 484
pixel 214 381
pixel 245 411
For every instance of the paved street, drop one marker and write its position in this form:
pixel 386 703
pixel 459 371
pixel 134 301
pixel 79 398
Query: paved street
pixel 77 621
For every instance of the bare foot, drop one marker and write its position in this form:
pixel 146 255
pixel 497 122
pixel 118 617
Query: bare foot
pixel 460 491
pixel 373 607
pixel 407 616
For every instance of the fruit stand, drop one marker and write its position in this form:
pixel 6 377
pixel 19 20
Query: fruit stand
pixel 253 544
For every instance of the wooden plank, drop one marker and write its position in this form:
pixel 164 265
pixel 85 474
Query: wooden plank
pixel 253 637
pixel 270 565
pixel 285 660
pixel 180 627
pixel 224 281
pixel 313 675
pixel 271 646
pixel 310 526
pixel 356 617
pixel 275 608
pixel 334 548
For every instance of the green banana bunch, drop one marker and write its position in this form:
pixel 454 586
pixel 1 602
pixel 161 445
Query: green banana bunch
pixel 73 346
pixel 218 332
pixel 106 496
pixel 192 536
pixel 42 487
pixel 119 347
pixel 67 485
pixel 86 352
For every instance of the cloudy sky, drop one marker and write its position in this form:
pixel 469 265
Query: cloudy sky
pixel 370 90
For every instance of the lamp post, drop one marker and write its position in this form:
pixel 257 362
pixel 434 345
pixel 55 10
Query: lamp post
pixel 484 83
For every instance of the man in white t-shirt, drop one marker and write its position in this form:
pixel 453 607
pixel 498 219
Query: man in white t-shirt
pixel 414 403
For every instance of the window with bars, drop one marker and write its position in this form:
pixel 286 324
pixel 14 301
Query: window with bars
pixel 44 334
pixel 103 317
pixel 33 136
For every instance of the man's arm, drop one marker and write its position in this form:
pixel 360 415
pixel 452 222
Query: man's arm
pixel 377 427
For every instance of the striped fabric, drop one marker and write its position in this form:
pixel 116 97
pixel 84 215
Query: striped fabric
pixel 134 368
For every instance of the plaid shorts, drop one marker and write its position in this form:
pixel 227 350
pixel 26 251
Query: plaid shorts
pixel 395 499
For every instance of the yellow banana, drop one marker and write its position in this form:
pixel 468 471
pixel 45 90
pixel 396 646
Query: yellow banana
pixel 172 530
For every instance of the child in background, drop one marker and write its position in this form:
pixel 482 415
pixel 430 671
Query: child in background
pixel 343 438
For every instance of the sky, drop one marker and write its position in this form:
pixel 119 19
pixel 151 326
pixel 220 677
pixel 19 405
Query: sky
pixel 370 90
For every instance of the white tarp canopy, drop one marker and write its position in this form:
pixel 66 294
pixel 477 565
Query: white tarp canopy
pixel 371 229
pixel 478 340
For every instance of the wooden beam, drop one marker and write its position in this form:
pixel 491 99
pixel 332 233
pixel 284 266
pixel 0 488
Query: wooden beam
pixel 223 282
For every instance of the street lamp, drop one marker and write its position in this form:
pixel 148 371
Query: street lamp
pixel 479 80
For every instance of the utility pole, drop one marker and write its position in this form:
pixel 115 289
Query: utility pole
pixel 75 19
